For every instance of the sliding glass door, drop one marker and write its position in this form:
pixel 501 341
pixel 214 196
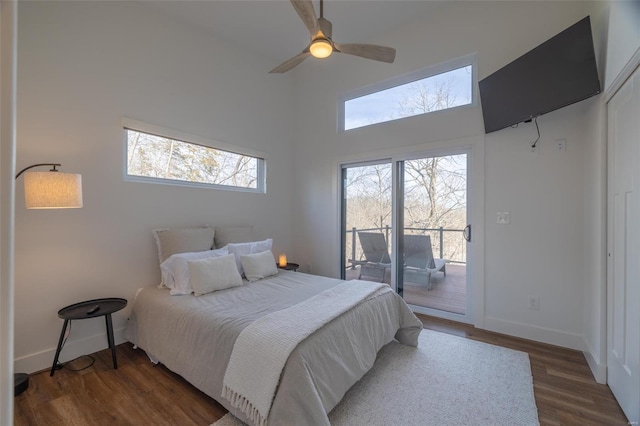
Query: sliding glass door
pixel 366 221
pixel 432 250
pixel 405 223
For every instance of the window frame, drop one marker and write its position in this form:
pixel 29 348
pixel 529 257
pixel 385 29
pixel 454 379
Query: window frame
pixel 151 129
pixel 430 71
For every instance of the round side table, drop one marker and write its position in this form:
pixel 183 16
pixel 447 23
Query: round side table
pixel 90 309
pixel 290 267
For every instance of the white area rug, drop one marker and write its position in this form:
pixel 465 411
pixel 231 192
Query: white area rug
pixel 447 380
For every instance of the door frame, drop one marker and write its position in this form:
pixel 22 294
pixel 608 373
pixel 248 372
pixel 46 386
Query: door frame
pixel 475 199
pixel 628 73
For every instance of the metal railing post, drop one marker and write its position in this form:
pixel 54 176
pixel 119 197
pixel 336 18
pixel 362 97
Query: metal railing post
pixel 353 247
pixel 441 242
pixel 387 234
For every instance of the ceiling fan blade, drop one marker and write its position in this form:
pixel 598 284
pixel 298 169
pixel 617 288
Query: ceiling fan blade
pixel 307 13
pixel 369 51
pixel 291 63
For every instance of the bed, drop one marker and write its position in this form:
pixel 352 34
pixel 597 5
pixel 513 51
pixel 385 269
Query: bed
pixel 195 338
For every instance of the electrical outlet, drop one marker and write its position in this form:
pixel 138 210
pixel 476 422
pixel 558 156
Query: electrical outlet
pixel 534 303
pixel 561 145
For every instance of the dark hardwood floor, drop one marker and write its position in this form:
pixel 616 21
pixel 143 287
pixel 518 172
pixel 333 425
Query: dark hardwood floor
pixel 138 393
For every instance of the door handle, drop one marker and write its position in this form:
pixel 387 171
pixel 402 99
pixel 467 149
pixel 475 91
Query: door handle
pixel 466 233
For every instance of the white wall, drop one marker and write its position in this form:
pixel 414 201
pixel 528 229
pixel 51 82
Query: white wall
pixel 8 33
pixel 616 32
pixel 540 253
pixel 617 44
pixel 594 207
pixel 595 247
pixel 624 37
pixel 84 65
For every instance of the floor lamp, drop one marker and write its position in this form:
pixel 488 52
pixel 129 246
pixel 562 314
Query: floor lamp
pixel 48 190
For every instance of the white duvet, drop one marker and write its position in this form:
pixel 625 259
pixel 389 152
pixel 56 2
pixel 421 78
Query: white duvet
pixel 194 336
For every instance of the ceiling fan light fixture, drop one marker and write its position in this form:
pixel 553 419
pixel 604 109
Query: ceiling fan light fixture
pixel 322 45
pixel 321 48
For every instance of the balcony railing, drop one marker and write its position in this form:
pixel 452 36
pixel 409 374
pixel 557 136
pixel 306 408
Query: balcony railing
pixel 455 255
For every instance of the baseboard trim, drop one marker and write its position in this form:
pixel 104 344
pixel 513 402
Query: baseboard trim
pixel 72 349
pixel 598 370
pixel 532 332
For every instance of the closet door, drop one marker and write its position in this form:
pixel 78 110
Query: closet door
pixel 623 282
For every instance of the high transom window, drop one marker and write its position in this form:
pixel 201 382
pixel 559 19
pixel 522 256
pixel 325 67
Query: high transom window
pixel 157 156
pixel 436 88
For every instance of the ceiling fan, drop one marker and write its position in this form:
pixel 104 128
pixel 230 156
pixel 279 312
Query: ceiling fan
pixel 321 45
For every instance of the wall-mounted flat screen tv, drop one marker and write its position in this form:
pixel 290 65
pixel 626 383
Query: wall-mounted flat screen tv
pixel 557 73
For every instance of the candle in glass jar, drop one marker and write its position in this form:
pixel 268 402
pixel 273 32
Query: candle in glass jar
pixel 282 261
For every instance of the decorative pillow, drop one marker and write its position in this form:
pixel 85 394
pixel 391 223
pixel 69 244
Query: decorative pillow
pixel 233 234
pixel 259 265
pixel 183 240
pixel 248 248
pixel 175 270
pixel 216 273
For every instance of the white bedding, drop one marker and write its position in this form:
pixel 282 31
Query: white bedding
pixel 262 348
pixel 194 336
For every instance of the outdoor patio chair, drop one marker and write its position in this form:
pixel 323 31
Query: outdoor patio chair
pixel 419 262
pixel 376 254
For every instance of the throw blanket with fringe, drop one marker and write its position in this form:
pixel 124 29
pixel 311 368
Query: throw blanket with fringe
pixel 262 348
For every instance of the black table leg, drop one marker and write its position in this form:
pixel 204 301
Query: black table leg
pixel 59 348
pixel 110 339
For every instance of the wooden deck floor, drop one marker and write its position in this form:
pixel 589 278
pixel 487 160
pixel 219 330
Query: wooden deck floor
pixel 447 293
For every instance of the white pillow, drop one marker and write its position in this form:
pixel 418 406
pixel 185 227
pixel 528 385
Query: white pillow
pixel 183 240
pixel 233 234
pixel 213 274
pixel 175 270
pixel 248 248
pixel 259 265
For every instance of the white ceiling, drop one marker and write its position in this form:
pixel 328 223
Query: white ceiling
pixel 272 27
